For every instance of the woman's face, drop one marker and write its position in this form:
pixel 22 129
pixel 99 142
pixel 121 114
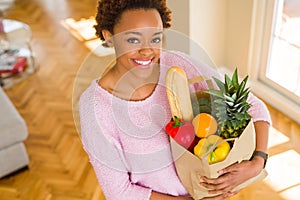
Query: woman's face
pixel 137 40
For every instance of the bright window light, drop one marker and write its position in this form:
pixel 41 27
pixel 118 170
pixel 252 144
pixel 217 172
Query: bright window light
pixel 276 138
pixel 284 172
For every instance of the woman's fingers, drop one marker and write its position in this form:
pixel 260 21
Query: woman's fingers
pixel 224 183
pixel 225 178
pixel 231 168
pixel 230 177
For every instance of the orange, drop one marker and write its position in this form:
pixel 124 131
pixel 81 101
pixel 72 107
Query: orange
pixel 204 125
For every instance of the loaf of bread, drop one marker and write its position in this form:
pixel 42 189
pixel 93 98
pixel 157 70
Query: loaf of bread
pixel 179 94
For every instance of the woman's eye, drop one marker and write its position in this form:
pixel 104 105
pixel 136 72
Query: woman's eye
pixel 133 40
pixel 156 40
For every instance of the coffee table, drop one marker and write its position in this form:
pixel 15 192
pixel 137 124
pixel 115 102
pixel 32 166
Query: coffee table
pixel 16 38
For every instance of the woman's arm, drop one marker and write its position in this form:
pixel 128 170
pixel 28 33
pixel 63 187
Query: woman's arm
pixel 262 137
pixel 105 155
pixel 116 183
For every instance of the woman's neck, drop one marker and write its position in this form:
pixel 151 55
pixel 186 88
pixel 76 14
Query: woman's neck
pixel 128 86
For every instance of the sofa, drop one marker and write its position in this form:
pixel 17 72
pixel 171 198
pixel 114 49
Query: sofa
pixel 13 132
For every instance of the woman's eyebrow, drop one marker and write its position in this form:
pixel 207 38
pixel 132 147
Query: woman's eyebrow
pixel 133 32
pixel 158 33
pixel 139 33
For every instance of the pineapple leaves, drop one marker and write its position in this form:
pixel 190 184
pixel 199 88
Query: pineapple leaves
pixel 220 84
pixel 228 84
pixel 235 79
pixel 215 93
pixel 242 86
pixel 230 105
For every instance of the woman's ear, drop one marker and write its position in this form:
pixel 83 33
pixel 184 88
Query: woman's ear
pixel 108 38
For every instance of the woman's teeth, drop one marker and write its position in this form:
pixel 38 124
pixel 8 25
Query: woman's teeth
pixel 143 62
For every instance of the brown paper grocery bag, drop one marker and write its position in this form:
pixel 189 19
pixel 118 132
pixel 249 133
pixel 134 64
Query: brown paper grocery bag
pixel 190 167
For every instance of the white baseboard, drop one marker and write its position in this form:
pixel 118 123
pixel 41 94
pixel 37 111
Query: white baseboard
pixel 278 101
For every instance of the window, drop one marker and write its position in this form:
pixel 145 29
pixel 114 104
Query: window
pixel 284 54
pixel 276 54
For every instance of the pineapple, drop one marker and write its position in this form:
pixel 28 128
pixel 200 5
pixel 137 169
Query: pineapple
pixel 230 106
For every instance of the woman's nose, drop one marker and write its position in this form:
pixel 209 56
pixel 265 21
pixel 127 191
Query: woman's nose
pixel 146 50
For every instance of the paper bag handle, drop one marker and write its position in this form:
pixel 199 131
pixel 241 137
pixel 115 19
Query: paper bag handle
pixel 198 79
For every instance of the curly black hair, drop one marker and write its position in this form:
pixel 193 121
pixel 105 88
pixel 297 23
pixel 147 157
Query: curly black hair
pixel 109 12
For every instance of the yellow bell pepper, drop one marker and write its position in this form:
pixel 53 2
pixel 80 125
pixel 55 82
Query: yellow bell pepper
pixel 219 153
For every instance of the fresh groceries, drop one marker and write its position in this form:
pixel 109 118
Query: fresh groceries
pixel 217 114
pixel 182 132
pixel 204 134
pixel 218 148
pixel 204 125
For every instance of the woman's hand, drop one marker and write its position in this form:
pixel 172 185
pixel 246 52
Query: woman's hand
pixel 233 176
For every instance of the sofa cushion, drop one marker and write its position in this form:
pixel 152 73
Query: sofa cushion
pixel 13 128
pixel 13 158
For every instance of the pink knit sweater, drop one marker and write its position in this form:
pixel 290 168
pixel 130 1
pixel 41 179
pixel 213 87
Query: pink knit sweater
pixel 126 141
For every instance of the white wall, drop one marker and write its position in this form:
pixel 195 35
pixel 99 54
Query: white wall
pixel 238 30
pixel 208 26
pixel 180 15
pixel 221 27
pixel 177 38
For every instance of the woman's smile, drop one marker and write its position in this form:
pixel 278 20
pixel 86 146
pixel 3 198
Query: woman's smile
pixel 143 63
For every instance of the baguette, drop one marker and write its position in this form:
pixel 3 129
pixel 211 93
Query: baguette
pixel 178 94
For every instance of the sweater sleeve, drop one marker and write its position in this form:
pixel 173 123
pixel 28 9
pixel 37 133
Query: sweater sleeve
pixel 106 156
pixel 258 110
pixel 116 184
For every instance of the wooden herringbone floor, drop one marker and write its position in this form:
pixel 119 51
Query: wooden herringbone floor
pixel 59 168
